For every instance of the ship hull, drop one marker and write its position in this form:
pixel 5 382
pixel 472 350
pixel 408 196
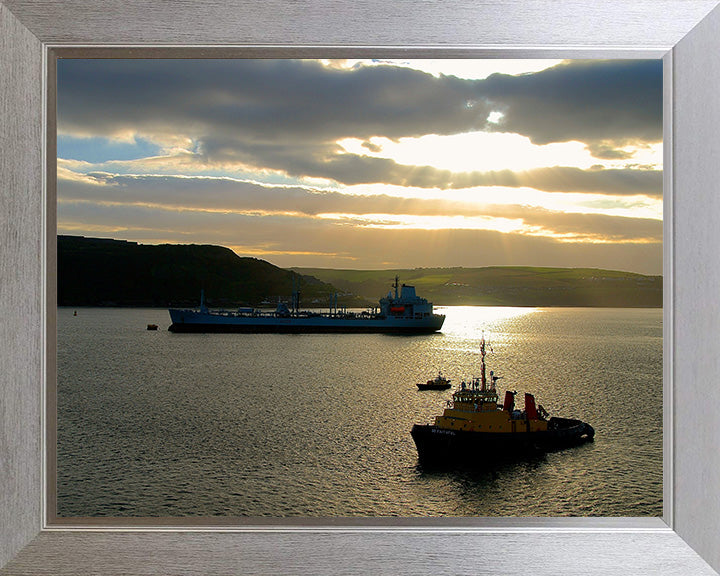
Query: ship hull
pixel 439 447
pixel 199 322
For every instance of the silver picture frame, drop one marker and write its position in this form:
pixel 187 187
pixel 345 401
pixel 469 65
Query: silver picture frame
pixel 682 32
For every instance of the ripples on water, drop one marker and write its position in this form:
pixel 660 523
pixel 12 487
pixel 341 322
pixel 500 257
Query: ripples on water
pixel 161 424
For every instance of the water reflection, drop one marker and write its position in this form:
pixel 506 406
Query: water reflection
pixel 469 322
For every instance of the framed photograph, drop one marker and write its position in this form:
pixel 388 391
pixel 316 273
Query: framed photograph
pixel 311 220
pixel 370 542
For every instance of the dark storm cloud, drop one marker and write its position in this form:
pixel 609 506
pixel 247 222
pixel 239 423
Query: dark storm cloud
pixel 240 101
pixel 596 102
pixel 287 114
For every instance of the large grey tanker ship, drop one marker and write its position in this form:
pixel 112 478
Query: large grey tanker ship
pixel 401 311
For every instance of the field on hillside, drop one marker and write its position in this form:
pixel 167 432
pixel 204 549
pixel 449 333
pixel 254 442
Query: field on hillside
pixel 504 286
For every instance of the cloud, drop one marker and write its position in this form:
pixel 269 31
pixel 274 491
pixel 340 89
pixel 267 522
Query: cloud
pixel 280 239
pixel 288 115
pixel 590 101
pixel 353 170
pixel 356 170
pixel 176 199
pixel 271 121
pixel 265 100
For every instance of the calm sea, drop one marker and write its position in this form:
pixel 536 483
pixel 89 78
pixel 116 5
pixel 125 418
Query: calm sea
pixel 162 424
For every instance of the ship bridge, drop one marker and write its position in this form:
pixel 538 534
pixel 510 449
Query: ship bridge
pixel 405 303
pixel 472 397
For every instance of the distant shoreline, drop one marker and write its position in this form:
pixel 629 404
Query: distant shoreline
pixel 95 272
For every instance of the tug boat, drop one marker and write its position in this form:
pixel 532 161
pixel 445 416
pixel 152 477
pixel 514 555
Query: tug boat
pixel 475 430
pixel 437 383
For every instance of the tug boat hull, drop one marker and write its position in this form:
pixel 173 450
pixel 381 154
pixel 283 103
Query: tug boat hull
pixel 438 446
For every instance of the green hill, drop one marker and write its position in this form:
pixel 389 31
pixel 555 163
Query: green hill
pixel 506 286
pixel 100 272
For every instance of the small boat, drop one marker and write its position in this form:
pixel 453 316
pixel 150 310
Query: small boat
pixel 152 326
pixel 437 383
pixel 474 430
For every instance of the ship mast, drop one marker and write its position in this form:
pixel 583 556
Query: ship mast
pixel 397 278
pixel 482 356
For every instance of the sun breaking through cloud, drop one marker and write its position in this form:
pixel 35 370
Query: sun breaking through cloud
pixel 359 163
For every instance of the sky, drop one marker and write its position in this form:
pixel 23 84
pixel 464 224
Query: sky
pixel 368 164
